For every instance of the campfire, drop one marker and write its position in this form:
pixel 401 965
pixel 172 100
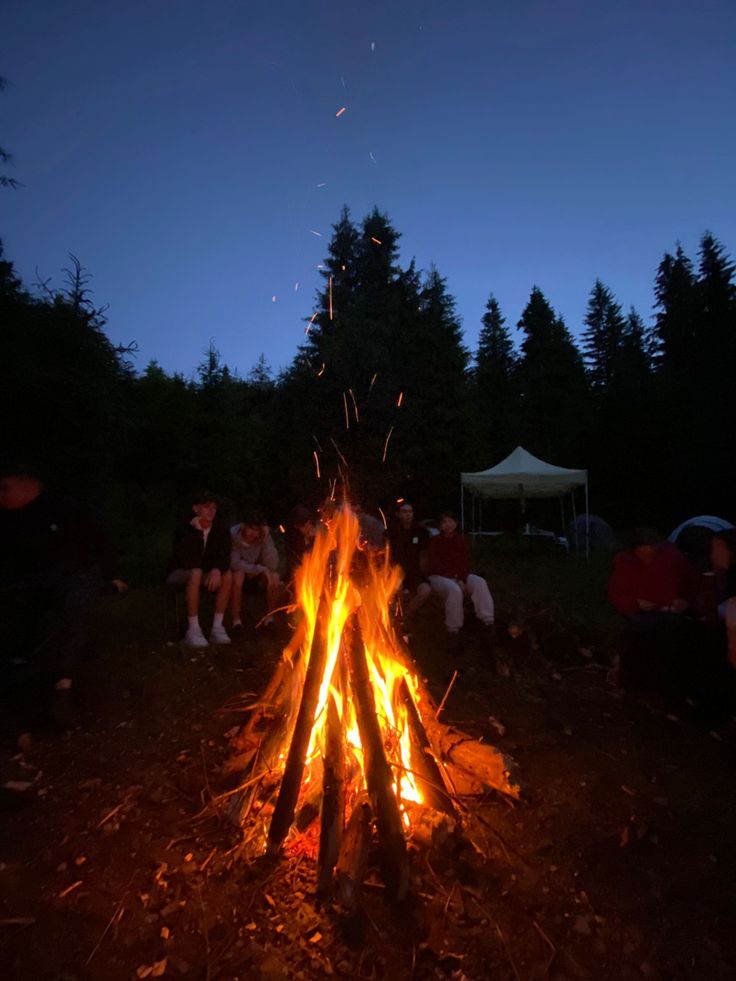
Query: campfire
pixel 344 748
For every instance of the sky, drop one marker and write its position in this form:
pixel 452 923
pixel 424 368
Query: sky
pixel 187 152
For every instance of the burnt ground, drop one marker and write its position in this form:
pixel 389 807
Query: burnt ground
pixel 618 863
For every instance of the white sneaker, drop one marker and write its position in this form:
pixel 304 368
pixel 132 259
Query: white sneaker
pixel 195 638
pixel 218 635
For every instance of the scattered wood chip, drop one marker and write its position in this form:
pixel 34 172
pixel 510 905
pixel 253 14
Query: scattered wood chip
pixel 165 933
pixel 71 888
pixel 315 938
pixel 18 785
pixel 159 968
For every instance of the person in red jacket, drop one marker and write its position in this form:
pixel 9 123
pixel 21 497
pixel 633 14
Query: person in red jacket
pixel 654 586
pixel 448 567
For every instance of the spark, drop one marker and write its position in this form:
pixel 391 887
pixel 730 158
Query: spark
pixel 316 463
pixel 399 400
pixel 341 111
pixel 347 417
pixel 343 268
pixel 282 529
pixel 355 405
pixel 399 500
pixel 371 156
pixel 385 445
pixel 373 45
pixel 373 381
pixel 323 184
pixel 273 298
pixel 330 283
pixel 343 82
pixel 383 519
pixel 333 485
pixel 321 370
pixel 311 321
pixel 318 234
pixel 376 240
pixel 296 286
pixel 318 443
pixel 337 450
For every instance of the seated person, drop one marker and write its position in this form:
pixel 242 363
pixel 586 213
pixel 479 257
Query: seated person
pixel 448 565
pixel 723 562
pixel 253 556
pixel 53 561
pixel 371 529
pixel 300 533
pixel 201 558
pixel 653 585
pixel 407 542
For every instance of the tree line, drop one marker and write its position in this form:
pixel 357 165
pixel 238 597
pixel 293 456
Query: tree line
pixel 383 393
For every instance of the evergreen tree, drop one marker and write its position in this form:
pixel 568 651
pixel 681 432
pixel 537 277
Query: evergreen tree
pixel 676 305
pixel 603 338
pixel 553 390
pixel 494 402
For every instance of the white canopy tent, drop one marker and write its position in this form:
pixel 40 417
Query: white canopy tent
pixel 522 475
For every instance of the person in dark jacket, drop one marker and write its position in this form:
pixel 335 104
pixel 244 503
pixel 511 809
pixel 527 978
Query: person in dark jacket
pixel 407 544
pixel 200 559
pixel 54 560
pixel 301 530
pixel 448 565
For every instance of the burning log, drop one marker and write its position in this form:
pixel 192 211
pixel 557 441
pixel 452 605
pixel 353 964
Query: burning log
pixel 379 778
pixel 283 813
pixel 474 767
pixel 333 798
pixel 353 698
pixel 429 778
pixel 352 862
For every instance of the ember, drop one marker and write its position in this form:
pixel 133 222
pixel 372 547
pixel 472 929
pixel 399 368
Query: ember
pixel 346 728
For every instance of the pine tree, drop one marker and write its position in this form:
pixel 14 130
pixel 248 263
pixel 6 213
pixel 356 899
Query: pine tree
pixel 676 303
pixel 553 390
pixel 494 403
pixel 603 338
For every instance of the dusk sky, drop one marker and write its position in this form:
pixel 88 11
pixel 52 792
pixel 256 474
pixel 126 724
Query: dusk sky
pixel 177 149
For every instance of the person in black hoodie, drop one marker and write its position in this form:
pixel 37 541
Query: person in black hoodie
pixel 54 559
pixel 201 559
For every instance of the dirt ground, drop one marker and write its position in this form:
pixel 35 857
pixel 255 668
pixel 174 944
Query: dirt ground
pixel 617 864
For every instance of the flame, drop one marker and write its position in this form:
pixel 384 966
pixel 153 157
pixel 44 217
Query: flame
pixel 328 596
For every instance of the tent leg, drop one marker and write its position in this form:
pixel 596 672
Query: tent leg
pixel 575 520
pixel 587 523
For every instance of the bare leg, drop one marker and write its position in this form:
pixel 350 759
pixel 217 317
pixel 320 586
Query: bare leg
pixel 273 591
pixel 194 584
pixel 223 593
pixel 235 584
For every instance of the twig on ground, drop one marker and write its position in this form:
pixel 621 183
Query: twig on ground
pixel 117 913
pixel 110 814
pixel 549 943
pixel 449 689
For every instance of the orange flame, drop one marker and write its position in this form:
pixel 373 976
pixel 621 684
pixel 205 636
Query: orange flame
pixel 326 576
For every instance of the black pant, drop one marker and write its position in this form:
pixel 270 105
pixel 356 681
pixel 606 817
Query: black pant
pixel 45 617
pixel 678 657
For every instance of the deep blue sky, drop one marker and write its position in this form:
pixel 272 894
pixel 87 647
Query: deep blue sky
pixel 176 148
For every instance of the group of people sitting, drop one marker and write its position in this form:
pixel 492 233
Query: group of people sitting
pixel 54 561
pixel 209 554
pixel 679 638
